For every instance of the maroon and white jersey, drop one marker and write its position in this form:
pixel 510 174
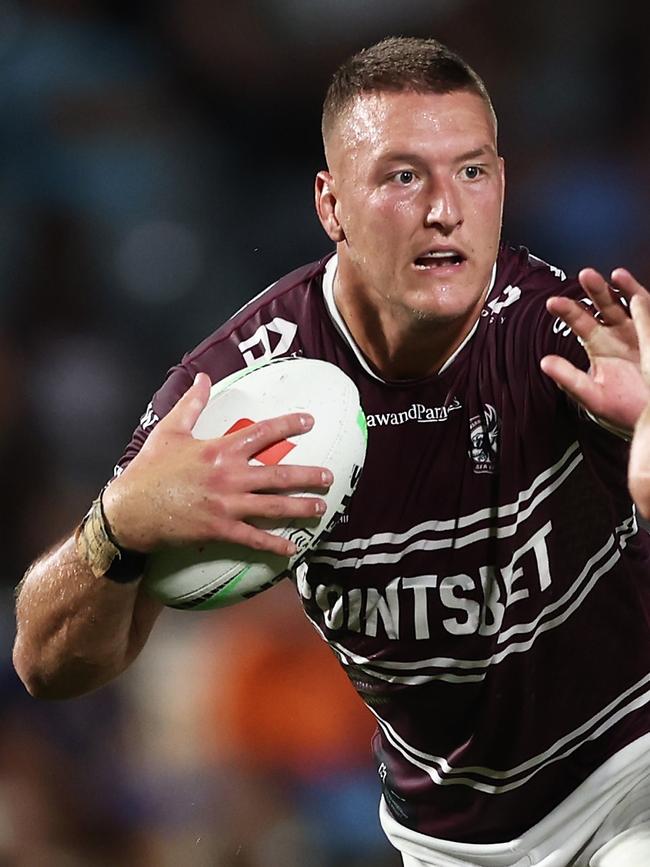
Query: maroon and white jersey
pixel 488 590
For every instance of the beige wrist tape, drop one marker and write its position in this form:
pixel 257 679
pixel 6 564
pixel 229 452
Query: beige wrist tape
pixel 92 542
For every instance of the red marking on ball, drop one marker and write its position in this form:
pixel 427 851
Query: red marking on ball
pixel 269 456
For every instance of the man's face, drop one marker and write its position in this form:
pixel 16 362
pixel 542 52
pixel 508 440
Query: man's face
pixel 417 195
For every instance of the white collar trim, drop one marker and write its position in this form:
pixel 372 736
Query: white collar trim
pixel 344 331
pixel 337 319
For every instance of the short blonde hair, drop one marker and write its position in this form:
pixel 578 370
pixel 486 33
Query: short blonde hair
pixel 396 64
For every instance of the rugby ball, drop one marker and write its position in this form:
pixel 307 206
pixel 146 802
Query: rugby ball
pixel 217 574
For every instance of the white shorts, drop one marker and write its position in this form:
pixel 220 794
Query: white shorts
pixel 605 822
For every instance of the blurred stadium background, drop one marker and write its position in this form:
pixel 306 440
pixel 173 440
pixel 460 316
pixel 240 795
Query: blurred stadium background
pixel 156 165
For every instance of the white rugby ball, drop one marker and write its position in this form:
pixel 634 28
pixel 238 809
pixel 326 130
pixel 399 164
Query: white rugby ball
pixel 216 574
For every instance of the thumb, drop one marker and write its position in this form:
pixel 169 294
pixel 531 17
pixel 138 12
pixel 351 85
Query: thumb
pixel 182 418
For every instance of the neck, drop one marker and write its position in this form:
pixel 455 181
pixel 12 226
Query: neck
pixel 399 343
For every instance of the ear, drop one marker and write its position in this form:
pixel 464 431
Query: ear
pixel 502 171
pixel 326 206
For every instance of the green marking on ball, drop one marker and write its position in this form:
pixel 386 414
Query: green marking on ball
pixel 217 601
pixel 361 421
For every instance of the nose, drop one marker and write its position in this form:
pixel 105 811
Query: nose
pixel 443 207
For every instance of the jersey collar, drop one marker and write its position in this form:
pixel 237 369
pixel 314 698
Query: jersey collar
pixel 339 323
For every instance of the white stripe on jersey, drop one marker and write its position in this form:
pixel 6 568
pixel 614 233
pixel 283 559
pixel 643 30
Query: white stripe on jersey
pixel 476 669
pixel 560 470
pixel 443 774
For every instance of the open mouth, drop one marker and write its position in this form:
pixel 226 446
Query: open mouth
pixel 439 259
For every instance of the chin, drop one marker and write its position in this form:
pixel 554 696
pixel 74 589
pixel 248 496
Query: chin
pixel 430 315
pixel 436 310
pixel 448 305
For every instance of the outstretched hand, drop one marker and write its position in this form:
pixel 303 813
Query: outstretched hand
pixel 639 468
pixel 613 390
pixel 179 489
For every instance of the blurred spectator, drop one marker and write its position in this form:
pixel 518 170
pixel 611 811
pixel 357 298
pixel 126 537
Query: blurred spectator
pixel 64 795
pixel 281 713
pixel 267 747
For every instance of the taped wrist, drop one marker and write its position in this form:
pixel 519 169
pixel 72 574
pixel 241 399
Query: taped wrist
pixel 96 547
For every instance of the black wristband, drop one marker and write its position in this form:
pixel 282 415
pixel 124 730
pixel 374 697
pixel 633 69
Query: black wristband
pixel 126 567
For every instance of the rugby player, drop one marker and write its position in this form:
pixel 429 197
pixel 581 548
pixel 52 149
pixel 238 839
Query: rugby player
pixel 488 593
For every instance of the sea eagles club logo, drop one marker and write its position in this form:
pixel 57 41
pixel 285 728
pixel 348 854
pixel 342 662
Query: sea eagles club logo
pixel 484 440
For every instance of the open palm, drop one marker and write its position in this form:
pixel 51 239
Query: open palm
pixel 614 389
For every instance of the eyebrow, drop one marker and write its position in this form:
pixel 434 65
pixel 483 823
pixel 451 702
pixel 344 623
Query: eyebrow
pixel 407 156
pixel 486 150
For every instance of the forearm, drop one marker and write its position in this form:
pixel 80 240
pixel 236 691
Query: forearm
pixel 76 631
pixel 639 469
pixel 78 628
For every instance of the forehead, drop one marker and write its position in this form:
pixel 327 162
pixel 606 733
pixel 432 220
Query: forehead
pixel 375 123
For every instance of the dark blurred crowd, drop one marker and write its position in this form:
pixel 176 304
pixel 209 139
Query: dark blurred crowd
pixel 156 169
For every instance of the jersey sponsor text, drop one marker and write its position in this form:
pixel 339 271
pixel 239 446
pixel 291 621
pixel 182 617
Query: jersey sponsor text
pixel 416 412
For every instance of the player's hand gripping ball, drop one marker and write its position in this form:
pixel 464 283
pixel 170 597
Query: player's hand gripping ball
pixel 216 574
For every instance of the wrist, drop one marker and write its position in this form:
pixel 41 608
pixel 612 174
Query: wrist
pixel 101 551
pixel 118 522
